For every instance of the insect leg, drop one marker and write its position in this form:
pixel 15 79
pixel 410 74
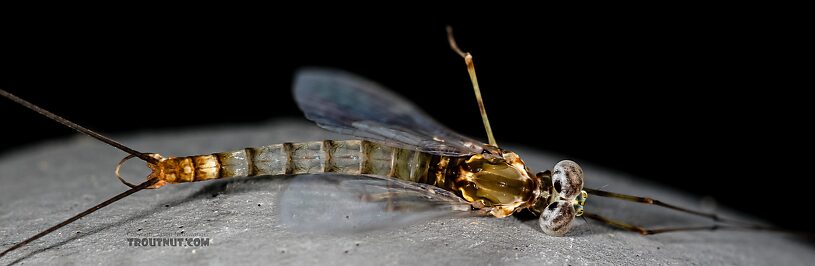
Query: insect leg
pixel 719 222
pixel 650 201
pixel 646 231
pixel 468 58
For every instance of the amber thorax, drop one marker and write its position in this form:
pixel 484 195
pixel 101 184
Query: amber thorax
pixel 502 184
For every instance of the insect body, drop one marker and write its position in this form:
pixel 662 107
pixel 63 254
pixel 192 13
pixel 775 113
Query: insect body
pixel 502 185
pixel 491 178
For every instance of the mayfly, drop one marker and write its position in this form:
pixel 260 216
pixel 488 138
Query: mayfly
pixel 403 159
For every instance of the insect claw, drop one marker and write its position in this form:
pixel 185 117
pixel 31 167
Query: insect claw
pixel 152 167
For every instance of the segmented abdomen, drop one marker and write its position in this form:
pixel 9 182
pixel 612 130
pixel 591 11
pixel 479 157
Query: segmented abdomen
pixel 352 157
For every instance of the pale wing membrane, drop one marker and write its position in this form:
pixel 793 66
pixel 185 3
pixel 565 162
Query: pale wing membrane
pixel 346 203
pixel 349 104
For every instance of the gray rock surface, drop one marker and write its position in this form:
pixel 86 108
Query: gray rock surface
pixel 46 183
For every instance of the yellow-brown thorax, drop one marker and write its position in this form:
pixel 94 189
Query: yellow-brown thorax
pixel 503 184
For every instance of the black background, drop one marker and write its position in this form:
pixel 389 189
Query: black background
pixel 712 103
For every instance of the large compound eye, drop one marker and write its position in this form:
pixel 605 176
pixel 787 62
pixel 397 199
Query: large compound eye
pixel 556 219
pixel 567 178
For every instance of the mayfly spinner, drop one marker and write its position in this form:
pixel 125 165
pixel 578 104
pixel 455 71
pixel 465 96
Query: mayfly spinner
pixel 416 163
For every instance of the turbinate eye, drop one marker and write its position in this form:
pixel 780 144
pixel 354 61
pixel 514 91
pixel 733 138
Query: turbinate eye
pixel 556 219
pixel 567 178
